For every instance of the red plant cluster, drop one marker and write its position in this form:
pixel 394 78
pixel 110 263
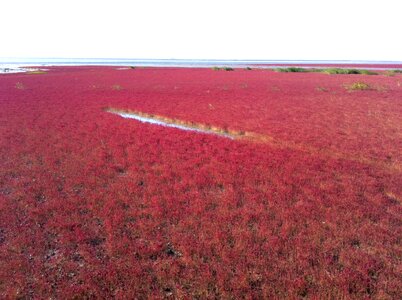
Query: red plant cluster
pixel 96 206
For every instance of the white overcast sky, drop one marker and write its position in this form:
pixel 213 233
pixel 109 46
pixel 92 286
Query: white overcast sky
pixel 204 29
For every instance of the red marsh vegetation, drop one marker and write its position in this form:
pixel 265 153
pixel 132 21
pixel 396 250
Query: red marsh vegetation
pixel 303 202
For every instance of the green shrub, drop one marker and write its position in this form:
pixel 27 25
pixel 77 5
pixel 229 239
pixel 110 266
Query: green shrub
pixel 368 72
pixel 336 71
pixel 36 72
pixel 348 71
pixel 327 70
pixel 222 68
pixel 291 70
pixel 392 72
pixel 358 86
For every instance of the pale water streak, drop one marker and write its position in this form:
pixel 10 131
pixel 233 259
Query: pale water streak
pixel 167 124
pixel 16 68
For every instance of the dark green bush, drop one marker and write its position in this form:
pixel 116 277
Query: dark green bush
pixel 348 71
pixel 291 70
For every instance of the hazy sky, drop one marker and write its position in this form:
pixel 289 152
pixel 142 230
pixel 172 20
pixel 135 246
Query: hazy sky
pixel 282 29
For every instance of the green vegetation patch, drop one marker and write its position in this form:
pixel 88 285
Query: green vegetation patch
pixel 326 71
pixel 393 72
pixel 36 72
pixel 348 71
pixel 222 68
pixel 292 70
pixel 358 86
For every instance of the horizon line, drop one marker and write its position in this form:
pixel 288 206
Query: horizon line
pixel 201 59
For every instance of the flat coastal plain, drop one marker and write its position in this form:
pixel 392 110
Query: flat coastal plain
pixel 226 184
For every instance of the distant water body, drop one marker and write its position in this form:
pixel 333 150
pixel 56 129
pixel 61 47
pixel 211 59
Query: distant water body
pixel 15 63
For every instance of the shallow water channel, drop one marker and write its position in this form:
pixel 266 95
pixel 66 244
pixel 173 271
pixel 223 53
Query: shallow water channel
pixel 159 122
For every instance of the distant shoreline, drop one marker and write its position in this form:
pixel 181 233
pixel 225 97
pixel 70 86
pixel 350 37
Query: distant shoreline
pixel 15 65
pixel 190 62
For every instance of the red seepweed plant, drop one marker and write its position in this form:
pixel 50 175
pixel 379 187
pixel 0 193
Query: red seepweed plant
pixel 97 206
